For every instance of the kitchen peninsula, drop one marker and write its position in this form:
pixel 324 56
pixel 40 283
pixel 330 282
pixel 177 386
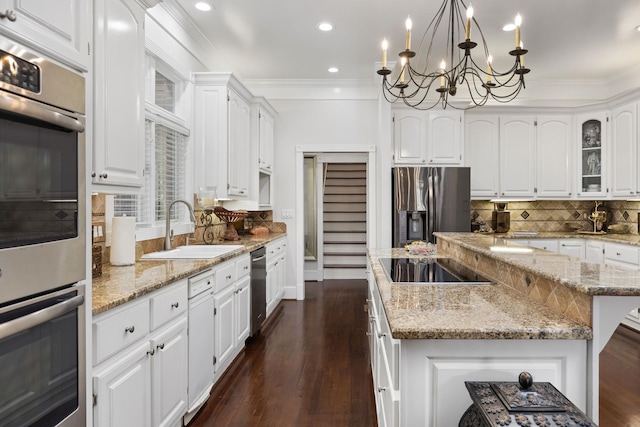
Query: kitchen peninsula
pixel 546 313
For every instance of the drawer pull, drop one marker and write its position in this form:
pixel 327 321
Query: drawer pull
pixel 229 277
pixel 175 305
pixel 151 352
pixel 160 347
pixel 130 329
pixel 381 389
pixel 618 253
pixel 382 335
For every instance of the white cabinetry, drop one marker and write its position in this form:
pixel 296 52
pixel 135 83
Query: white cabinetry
pixel 554 151
pixel 572 247
pixel 232 299
pixel 622 255
pixel 222 134
pixel 276 270
pixel 140 361
pixel 624 147
pixel 266 129
pixel 119 73
pixel 592 155
pixel 433 138
pixel 482 154
pixel 517 156
pixel 594 251
pixel 60 29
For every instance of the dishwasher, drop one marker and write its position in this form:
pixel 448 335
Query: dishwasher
pixel 200 342
pixel 258 288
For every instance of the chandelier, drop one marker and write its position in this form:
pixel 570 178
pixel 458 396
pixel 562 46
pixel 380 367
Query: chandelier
pixel 422 85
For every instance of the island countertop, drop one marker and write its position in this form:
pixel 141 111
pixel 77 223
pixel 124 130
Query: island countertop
pixel 496 311
pixel 118 285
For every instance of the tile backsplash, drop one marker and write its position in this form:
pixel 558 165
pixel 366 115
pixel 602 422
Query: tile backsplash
pixel 556 215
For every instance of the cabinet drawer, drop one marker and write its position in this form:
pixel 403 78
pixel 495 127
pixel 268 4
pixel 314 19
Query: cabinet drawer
pixel 225 275
pixel 168 304
pixel 243 266
pixel 118 329
pixel 621 253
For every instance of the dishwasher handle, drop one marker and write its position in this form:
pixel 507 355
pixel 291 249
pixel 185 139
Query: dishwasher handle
pixel 258 258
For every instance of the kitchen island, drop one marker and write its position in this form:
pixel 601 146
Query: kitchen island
pixel 543 315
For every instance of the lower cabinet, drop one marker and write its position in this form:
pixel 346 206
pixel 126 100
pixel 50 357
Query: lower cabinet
pixel 594 251
pixel 276 271
pixel 232 311
pixel 140 370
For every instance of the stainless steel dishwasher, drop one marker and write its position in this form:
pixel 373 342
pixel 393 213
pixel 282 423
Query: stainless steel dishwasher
pixel 258 288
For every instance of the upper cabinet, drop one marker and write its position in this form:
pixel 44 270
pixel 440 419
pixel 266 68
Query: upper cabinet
pixel 266 121
pixel 591 161
pixel 482 154
pixel 60 29
pixel 554 143
pixel 222 135
pixel 624 146
pixel 427 138
pixel 119 81
pixel 517 156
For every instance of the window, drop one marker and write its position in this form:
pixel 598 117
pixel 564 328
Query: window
pixel 166 141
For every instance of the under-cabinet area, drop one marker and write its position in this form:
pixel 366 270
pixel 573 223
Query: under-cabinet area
pixel 165 331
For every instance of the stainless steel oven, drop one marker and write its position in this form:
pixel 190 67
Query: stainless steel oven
pixel 43 255
pixel 42 361
pixel 42 175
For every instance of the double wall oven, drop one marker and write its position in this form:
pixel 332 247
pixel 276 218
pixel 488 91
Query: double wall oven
pixel 42 241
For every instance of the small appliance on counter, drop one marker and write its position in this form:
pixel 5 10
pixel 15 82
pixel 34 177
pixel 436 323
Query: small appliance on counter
pixel 500 218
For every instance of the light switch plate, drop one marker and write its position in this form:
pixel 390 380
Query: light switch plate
pixel 287 213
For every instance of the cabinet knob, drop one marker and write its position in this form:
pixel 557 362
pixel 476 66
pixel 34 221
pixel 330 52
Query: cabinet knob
pixel 9 14
pixel 160 347
pixel 229 277
pixel 103 175
pixel 381 389
pixel 93 174
pixel 130 329
pixel 618 253
pixel 175 305
pixel 151 352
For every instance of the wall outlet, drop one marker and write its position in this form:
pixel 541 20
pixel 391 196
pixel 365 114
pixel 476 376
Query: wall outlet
pixel 287 213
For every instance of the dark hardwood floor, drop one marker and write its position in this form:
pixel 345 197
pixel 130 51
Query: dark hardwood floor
pixel 620 380
pixel 309 366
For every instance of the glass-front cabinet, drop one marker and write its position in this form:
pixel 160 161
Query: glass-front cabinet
pixel 592 129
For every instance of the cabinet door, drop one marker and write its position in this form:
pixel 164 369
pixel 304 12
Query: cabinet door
pixel 225 335
pixel 409 137
pixel 594 251
pixel 238 145
pixel 169 373
pixel 266 133
pixel 243 310
pixel 123 391
pixel 118 137
pixel 272 279
pixel 61 28
pixel 623 151
pixel 554 154
pixel 572 247
pixel 481 149
pixel 592 155
pixel 444 138
pixel 517 156
pixel 201 340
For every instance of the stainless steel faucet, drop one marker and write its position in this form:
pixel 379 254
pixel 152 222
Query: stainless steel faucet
pixel 169 232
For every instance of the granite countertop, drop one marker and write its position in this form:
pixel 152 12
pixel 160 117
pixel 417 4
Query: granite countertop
pixel 628 239
pixel 118 285
pixel 574 273
pixel 495 311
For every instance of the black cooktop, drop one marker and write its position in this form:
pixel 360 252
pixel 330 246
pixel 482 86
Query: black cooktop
pixel 430 270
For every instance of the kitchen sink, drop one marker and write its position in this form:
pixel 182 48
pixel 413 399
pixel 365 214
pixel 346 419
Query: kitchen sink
pixel 193 252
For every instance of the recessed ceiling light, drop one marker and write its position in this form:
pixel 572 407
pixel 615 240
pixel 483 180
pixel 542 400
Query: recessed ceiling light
pixel 509 27
pixel 325 26
pixel 203 6
pixel 333 70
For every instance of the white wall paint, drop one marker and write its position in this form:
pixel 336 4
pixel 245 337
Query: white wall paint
pixel 312 123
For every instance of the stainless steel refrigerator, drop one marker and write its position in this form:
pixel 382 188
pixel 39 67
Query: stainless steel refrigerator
pixel 428 199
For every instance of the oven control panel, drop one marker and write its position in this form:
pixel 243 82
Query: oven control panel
pixel 18 72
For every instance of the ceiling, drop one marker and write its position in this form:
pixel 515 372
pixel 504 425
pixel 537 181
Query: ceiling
pixel 279 39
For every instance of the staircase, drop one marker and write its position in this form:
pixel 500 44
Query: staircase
pixel 345 220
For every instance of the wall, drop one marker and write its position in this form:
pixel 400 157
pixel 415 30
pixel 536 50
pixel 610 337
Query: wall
pixel 313 122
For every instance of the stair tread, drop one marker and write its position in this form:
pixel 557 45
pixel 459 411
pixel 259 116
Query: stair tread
pixel 344 253
pixel 344 266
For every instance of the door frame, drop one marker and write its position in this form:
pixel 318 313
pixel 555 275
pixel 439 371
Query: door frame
pixel 318 150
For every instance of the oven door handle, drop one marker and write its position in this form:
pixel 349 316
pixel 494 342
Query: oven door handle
pixel 25 107
pixel 39 317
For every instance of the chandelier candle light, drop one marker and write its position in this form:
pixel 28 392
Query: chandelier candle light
pixel 415 82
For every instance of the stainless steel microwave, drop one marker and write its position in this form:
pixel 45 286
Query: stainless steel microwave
pixel 42 175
